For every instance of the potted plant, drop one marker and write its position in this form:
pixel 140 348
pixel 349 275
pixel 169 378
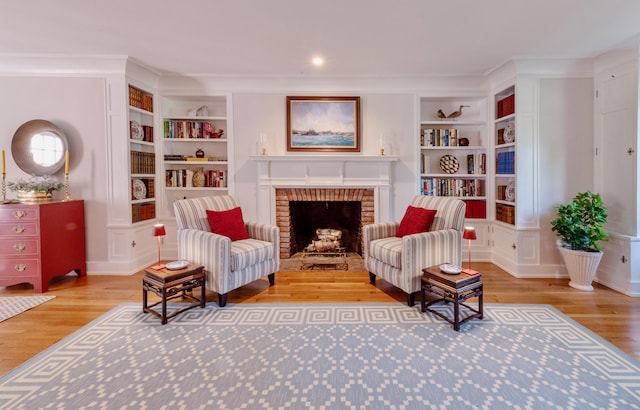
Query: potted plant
pixel 35 189
pixel 580 226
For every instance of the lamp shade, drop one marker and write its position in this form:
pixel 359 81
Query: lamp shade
pixel 469 233
pixel 158 230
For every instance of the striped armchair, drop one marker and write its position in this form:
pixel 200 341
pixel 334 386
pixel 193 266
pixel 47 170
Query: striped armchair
pixel 227 264
pixel 400 261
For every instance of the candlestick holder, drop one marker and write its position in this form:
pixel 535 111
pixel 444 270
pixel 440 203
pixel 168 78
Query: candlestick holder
pixel 264 151
pixel 382 152
pixel 67 192
pixel 4 187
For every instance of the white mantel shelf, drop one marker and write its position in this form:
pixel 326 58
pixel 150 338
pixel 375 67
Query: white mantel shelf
pixel 324 158
pixel 324 171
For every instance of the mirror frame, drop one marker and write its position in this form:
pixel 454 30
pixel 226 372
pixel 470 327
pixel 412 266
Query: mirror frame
pixel 21 150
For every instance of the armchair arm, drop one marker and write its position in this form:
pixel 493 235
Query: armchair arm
pixel 426 249
pixel 372 232
pixel 263 232
pixel 211 250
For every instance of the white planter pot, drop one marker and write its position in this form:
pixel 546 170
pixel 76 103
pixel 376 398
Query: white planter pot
pixel 582 267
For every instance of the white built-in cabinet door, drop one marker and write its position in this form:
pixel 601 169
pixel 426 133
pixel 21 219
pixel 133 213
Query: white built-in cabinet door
pixel 616 119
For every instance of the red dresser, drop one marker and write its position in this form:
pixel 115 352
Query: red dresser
pixel 41 241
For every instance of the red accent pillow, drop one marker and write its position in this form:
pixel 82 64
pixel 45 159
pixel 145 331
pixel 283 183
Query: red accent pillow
pixel 415 220
pixel 228 223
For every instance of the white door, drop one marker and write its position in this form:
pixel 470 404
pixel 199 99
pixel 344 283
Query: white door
pixel 616 145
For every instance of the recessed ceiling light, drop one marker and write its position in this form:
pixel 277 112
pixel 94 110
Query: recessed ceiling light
pixel 317 61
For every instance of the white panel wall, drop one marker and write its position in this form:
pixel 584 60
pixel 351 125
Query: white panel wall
pixel 388 114
pixel 565 151
pixel 77 106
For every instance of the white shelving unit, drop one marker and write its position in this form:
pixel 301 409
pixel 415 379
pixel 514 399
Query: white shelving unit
pixel 190 124
pixel 505 156
pixel 453 151
pixel 142 155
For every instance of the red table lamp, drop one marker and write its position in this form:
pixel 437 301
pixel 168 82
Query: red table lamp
pixel 158 231
pixel 470 234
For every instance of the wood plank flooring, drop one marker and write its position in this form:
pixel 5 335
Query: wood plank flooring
pixel 78 301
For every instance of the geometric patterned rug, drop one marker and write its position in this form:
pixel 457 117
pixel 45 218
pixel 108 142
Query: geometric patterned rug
pixel 14 305
pixel 327 356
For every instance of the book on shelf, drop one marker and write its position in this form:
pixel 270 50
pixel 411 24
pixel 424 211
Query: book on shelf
pixel 183 178
pixel 505 162
pixel 475 209
pixel 186 129
pixel 439 137
pixel 476 164
pixel 456 187
pixel 143 162
pixel 173 157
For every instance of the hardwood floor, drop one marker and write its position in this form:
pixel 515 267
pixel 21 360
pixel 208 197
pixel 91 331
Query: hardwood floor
pixel 78 301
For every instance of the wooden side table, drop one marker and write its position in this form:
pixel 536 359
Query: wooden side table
pixel 451 288
pixel 171 284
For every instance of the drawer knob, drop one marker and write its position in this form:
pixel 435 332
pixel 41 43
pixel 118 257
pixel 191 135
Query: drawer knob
pixel 19 247
pixel 21 267
pixel 19 214
pixel 18 229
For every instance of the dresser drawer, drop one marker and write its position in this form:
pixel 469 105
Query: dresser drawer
pixel 18 229
pixel 23 267
pixel 18 213
pixel 19 246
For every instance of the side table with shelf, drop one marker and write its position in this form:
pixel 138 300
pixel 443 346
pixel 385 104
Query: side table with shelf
pixel 171 284
pixel 451 288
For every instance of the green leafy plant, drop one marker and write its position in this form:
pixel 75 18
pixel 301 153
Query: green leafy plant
pixel 580 223
pixel 43 184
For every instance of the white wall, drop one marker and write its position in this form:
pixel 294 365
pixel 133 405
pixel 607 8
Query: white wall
pixel 565 152
pixel 388 114
pixel 77 107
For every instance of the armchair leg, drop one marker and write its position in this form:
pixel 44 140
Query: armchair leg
pixel 272 279
pixel 222 300
pixel 372 278
pixel 411 300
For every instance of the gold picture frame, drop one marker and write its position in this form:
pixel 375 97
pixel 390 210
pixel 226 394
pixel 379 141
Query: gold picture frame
pixel 323 124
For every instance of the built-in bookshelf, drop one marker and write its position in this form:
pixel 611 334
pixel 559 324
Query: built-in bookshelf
pixel 195 147
pixel 453 157
pixel 505 156
pixel 142 155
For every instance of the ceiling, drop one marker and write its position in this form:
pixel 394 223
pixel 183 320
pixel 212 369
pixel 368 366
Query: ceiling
pixel 356 37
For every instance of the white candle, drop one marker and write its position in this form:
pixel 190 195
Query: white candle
pixel 381 140
pixel 261 139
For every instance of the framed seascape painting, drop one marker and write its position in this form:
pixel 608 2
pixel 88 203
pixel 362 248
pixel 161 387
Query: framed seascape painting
pixel 330 124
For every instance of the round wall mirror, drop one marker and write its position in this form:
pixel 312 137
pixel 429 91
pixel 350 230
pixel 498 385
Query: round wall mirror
pixel 38 147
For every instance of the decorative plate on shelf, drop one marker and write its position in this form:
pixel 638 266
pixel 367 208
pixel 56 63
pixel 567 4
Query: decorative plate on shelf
pixel 139 189
pixel 450 269
pixel 509 133
pixel 177 265
pixel 136 131
pixel 449 164
pixel 510 192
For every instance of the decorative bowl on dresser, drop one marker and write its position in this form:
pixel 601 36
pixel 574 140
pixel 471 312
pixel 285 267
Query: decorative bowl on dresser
pixel 41 241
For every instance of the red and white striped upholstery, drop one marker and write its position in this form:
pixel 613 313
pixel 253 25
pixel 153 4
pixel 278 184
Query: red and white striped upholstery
pixel 400 261
pixel 227 264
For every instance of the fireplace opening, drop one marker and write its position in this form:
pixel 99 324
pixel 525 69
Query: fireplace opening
pixel 308 216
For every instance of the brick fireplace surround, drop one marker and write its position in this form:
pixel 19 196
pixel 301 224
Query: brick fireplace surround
pixel 284 195
pixel 284 178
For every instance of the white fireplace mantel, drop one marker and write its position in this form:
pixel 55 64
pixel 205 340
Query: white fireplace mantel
pixel 324 171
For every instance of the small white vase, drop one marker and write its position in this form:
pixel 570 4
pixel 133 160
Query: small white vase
pixel 581 266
